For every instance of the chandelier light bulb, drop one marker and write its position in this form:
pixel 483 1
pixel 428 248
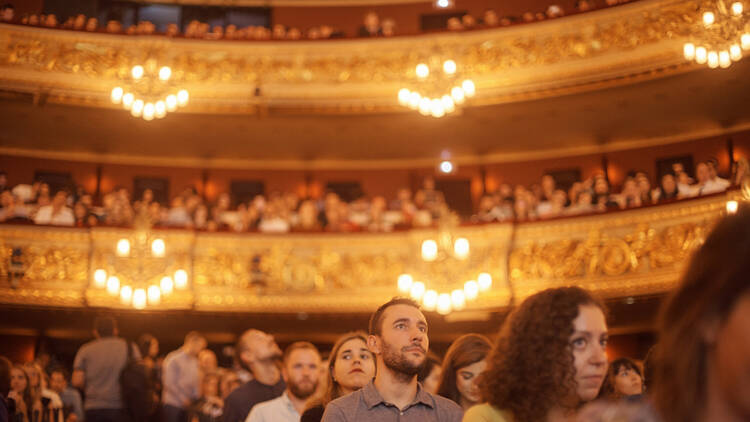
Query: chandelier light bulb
pixel 458 94
pixel 148 111
pixel 160 109
pixel 126 295
pixel 436 108
pixel 116 95
pixel 403 96
pixel 167 285
pixel 449 67
pixel 701 55
pixel 461 248
pixel 485 281
pixel 417 290
pixel 689 50
pixel 165 73
pixel 737 8
pixel 154 295
pixel 137 108
pixel 139 299
pixel 471 290
pixel 100 278
pixel 422 71
pixel 429 300
pixel 732 207
pixel 708 18
pixel 113 285
pixel 724 60
pixel 182 97
pixel 414 99
pixel 425 106
pixel 735 52
pixel 468 87
pixel 745 41
pixel 444 304
pixel 171 102
pixel 157 246
pixel 446 167
pixel 127 100
pixel 180 279
pixel 123 247
pixel 448 103
pixel 137 72
pixel 458 300
pixel 429 250
pixel 404 282
pixel 713 59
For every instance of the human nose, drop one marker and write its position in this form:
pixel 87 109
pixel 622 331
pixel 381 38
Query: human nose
pixel 599 355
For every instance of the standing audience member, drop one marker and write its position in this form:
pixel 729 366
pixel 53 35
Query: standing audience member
pixel 301 369
pixel 20 395
pixel 430 374
pixel 71 398
pixel 229 382
pixel 548 360
pixel 96 370
pixel 464 362
pixel 52 405
pixel 351 367
pixel 624 379
pixel 398 338
pixel 702 360
pixel 257 353
pixel 181 378
pixel 209 406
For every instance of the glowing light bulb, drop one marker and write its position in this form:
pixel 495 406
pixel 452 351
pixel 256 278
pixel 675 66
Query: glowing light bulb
pixel 127 100
pixel 158 248
pixel 446 167
pixel 468 87
pixel 429 250
pixel 689 51
pixel 414 99
pixel 471 289
pixel 708 18
pixel 123 247
pixel 182 97
pixel 139 299
pixel 458 300
pixel 713 59
pixel 458 95
pixel 180 279
pixel 735 52
pixel 737 8
pixel 485 281
pixel 425 106
pixel 443 3
pixel 100 278
pixel 701 55
pixel 154 295
pixel 422 71
pixel 113 285
pixel 429 300
pixel 137 72
pixel 417 290
pixel 745 41
pixel 148 111
pixel 436 108
pixel 732 207
pixel 137 108
pixel 444 304
pixel 116 95
pixel 724 60
pixel 167 285
pixel 404 282
pixel 448 103
pixel 449 67
pixel 160 109
pixel 461 248
pixel 126 295
pixel 165 73
pixel 171 102
pixel 403 96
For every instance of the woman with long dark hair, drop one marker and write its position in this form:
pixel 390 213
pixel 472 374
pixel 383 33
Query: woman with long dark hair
pixel 463 364
pixel 624 379
pixel 548 360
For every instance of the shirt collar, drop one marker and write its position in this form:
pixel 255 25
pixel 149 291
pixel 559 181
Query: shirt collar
pixel 284 398
pixel 372 397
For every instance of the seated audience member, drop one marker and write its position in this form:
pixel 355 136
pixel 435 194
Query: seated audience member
pixel 490 18
pixel 740 172
pixel 549 359
pixel 370 26
pixel 554 11
pixel 705 184
pixel 644 187
pixel 389 27
pixel 713 170
pixel 57 213
pixel 178 215
pixel 429 375
pixel 454 24
pixel 7 13
pixel 115 27
pixel 702 358
pixel 667 190
pixel 92 24
pixel 257 353
pixel 464 362
pixel 71 398
pixel 351 367
pixel 11 208
pixel 468 21
pixel 398 338
pixel 181 378
pixel 584 5
pixel 584 205
pixel 630 196
pixel 209 407
pixel 301 369
pixel 624 379
pixel 50 21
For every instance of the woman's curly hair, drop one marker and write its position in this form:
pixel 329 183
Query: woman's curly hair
pixel 531 368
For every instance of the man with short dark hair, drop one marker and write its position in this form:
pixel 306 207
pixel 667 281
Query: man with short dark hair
pixel 398 338
pixel 256 352
pixel 96 369
pixel 71 398
pixel 181 378
pixel 301 372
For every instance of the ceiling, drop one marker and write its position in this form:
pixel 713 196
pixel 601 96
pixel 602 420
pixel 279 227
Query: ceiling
pixel 694 104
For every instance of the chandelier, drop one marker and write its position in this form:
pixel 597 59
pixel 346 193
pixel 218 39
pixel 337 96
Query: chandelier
pixel 721 36
pixel 149 92
pixel 438 90
pixel 440 279
pixel 138 270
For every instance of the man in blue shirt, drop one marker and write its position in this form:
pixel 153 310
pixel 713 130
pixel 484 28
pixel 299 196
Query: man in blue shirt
pixel 181 378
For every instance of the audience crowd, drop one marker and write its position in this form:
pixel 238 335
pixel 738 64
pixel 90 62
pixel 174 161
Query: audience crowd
pixel 548 363
pixel 372 24
pixel 287 212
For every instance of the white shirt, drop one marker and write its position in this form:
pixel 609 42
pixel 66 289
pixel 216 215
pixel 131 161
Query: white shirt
pixel 279 409
pixel 711 186
pixel 63 218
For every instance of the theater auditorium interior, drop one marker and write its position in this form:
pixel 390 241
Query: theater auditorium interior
pixel 193 175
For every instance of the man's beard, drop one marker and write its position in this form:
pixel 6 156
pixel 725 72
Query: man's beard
pixel 302 392
pixel 397 362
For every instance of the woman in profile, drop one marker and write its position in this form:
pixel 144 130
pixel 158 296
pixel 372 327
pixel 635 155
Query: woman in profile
pixel 463 364
pixel 548 360
pixel 702 361
pixel 624 380
pixel 350 368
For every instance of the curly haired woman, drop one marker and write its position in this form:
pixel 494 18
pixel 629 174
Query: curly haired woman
pixel 548 360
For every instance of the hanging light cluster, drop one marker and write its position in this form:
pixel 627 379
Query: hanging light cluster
pixel 150 93
pixel 439 89
pixel 721 37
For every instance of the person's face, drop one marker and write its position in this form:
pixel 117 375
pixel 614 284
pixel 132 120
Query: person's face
pixel 403 342
pixel 628 382
pixel 207 360
pixel 730 358
pixel 588 344
pixel 432 382
pixel 301 372
pixel 354 366
pixel 668 183
pixel 59 199
pixel 57 382
pixel 466 382
pixel 18 382
pixel 153 348
pixel 8 14
pixel 371 20
pixel 702 173
pixel 600 186
pixel 548 183
pixel 262 347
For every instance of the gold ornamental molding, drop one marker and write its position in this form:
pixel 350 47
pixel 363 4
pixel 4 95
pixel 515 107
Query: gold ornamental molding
pixel 610 47
pixel 286 3
pixel 620 254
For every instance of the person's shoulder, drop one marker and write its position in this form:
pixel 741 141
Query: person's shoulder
pixel 238 395
pixel 268 406
pixel 486 413
pixel 347 401
pixel 444 403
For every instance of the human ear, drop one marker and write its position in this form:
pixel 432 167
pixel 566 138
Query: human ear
pixel 373 343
